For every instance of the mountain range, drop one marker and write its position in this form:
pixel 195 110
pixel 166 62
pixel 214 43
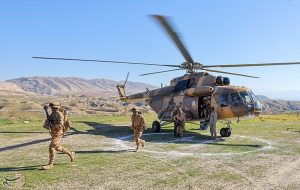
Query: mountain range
pixel 75 86
pixel 107 88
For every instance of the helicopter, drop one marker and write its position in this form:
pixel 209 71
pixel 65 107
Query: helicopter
pixel 192 90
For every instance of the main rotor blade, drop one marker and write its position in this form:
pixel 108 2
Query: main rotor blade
pixel 215 71
pixel 160 72
pixel 166 25
pixel 103 61
pixel 253 65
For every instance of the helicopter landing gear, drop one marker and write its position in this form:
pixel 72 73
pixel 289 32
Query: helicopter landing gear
pixel 156 126
pixel 226 132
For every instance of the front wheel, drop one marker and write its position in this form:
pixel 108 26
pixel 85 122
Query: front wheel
pixel 156 126
pixel 224 132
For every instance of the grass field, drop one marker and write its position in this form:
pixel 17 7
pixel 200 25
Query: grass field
pixel 261 154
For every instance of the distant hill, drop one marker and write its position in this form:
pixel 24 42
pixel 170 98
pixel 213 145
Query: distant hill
pixel 272 106
pixel 74 85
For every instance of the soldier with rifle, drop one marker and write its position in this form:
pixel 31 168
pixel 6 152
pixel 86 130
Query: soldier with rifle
pixel 57 123
pixel 179 123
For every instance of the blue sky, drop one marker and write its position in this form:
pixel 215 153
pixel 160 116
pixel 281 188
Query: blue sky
pixel 215 32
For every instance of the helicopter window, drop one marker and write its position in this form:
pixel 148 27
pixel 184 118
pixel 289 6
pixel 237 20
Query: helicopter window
pixel 224 100
pixel 190 83
pixel 245 96
pixel 253 96
pixel 236 99
pixel 182 85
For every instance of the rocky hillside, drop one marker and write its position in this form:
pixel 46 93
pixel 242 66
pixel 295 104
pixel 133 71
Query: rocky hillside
pixel 73 85
pixel 10 87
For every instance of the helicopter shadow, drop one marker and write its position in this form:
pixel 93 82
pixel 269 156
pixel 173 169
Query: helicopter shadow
pixel 124 133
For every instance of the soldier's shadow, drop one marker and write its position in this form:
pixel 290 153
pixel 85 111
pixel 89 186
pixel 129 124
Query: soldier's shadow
pixel 22 168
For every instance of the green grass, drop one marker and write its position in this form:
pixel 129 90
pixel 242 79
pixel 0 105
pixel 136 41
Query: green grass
pixel 24 148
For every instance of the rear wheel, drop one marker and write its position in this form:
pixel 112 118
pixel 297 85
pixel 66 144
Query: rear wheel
pixel 156 126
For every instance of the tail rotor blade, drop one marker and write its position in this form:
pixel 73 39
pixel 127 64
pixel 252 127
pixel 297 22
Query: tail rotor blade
pixel 126 79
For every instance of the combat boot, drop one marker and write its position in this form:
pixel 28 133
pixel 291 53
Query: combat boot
pixel 137 148
pixel 48 167
pixel 72 156
pixel 143 143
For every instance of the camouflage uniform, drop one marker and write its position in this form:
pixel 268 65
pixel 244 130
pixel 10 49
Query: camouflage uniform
pixel 212 122
pixel 138 125
pixel 59 123
pixel 179 124
pixel 174 114
pixel 207 108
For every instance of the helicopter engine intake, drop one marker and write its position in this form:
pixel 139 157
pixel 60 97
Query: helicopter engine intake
pixel 198 91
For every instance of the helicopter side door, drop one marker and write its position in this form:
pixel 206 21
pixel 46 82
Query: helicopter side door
pixel 202 107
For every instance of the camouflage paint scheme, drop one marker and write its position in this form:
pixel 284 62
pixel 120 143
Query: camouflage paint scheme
pixel 201 84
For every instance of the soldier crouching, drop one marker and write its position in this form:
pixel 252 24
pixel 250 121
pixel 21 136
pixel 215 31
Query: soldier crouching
pixel 57 123
pixel 138 125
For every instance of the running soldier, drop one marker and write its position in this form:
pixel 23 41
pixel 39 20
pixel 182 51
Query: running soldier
pixel 57 123
pixel 138 125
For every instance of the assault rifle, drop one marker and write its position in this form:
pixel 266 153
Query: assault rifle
pixel 48 116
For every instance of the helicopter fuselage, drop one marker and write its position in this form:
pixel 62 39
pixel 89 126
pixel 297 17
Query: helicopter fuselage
pixel 190 90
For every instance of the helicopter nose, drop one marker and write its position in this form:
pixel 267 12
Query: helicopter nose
pixel 254 108
pixel 258 107
pixel 249 109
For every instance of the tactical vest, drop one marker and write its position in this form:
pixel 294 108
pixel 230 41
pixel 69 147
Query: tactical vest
pixel 56 120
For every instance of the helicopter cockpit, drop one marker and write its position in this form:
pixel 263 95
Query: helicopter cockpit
pixel 236 102
pixel 253 105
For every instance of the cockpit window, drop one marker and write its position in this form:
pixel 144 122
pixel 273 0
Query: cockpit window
pixel 236 99
pixel 246 97
pixel 253 96
pixel 224 100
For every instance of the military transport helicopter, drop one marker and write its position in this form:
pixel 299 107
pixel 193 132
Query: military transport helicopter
pixel 192 90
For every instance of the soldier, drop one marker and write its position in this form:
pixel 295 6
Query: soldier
pixel 213 122
pixel 179 122
pixel 138 125
pixel 207 108
pixel 58 123
pixel 175 112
